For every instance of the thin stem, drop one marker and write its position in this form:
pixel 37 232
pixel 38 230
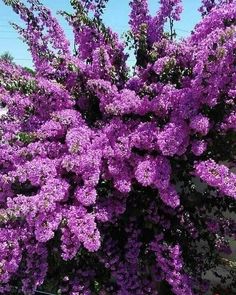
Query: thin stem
pixel 171 22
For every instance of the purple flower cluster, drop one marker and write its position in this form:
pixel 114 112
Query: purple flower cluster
pixel 99 167
pixel 200 124
pixel 218 176
pixel 169 259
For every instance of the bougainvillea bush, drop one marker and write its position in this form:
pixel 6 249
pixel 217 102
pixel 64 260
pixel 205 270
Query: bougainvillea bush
pixel 115 181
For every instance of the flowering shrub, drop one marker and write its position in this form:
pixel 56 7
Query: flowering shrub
pixel 100 169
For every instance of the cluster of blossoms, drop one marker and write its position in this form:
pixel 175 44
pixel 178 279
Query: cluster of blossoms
pixel 218 176
pixel 99 168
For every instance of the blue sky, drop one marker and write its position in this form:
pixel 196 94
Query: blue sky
pixel 116 16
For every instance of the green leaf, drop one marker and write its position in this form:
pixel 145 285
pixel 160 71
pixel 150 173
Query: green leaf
pixel 25 137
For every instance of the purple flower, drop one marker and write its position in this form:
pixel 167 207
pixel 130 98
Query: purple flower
pixel 200 124
pixel 198 147
pixel 218 176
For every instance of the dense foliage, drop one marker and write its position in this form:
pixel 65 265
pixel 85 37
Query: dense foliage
pixel 113 183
